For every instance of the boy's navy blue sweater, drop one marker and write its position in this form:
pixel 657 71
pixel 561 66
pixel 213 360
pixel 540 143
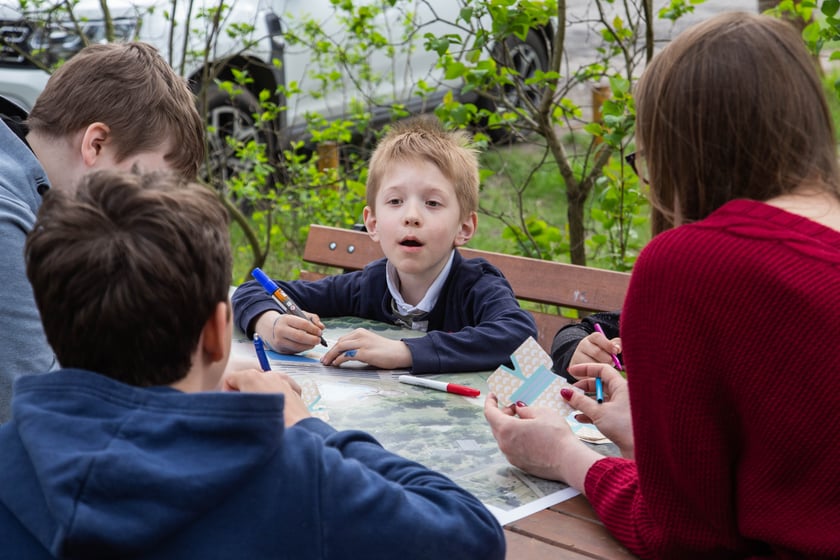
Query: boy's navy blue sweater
pixel 93 468
pixel 475 325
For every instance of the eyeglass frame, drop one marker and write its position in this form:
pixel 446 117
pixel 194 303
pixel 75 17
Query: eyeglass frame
pixel 631 161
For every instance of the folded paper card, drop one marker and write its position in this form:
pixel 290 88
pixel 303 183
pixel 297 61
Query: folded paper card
pixel 531 381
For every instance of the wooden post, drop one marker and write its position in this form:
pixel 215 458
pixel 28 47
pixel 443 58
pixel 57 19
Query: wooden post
pixel 327 155
pixel 600 93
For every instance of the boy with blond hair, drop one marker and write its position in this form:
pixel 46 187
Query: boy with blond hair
pixel 422 202
pixel 115 106
pixel 130 452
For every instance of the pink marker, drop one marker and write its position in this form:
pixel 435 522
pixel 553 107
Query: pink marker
pixel 617 363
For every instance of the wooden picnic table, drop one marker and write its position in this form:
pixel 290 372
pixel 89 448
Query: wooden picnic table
pixel 569 530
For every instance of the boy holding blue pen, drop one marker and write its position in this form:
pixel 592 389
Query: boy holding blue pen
pixel 143 447
pixel 422 202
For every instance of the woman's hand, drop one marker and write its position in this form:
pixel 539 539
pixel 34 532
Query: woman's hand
pixel 539 441
pixel 613 417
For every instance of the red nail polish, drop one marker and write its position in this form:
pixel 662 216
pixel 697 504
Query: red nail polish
pixel 521 404
pixel 566 393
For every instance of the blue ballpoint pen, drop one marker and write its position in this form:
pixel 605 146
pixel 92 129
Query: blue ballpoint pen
pixel 279 296
pixel 599 390
pixel 599 385
pixel 260 348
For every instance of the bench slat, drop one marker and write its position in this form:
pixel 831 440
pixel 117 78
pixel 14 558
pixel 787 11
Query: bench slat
pixel 545 282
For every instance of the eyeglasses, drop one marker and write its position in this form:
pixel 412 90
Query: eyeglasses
pixel 631 160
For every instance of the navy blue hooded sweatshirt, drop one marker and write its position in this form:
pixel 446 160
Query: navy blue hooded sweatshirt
pixel 94 468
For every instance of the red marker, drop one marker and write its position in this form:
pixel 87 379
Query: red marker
pixel 440 385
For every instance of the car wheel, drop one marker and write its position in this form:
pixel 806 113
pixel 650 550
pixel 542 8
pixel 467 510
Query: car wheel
pixel 525 57
pixel 228 117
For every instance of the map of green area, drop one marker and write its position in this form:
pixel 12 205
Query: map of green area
pixel 443 431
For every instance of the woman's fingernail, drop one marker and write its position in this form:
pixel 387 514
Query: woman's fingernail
pixel 521 404
pixel 566 393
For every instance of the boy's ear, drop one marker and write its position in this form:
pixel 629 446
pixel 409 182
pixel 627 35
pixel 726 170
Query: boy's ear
pixel 215 337
pixel 467 230
pixel 370 223
pixel 95 137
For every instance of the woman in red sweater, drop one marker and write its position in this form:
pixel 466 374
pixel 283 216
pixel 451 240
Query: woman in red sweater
pixel 735 443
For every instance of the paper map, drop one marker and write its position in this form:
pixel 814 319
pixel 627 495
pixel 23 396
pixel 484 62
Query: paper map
pixel 445 432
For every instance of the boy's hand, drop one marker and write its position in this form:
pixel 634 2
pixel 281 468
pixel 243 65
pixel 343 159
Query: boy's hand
pixel 289 334
pixel 269 382
pixel 595 348
pixel 370 348
pixel 236 363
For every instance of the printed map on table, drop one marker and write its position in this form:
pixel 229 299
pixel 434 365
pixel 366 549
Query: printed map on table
pixel 444 432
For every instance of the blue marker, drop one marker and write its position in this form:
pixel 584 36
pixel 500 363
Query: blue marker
pixel 279 296
pixel 599 390
pixel 260 348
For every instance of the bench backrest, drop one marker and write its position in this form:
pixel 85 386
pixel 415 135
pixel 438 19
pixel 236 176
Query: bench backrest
pixel 545 282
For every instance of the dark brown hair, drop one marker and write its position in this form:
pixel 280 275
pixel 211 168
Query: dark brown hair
pixel 127 271
pixel 131 89
pixel 732 108
pixel 425 138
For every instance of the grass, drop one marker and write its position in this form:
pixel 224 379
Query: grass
pixel 543 197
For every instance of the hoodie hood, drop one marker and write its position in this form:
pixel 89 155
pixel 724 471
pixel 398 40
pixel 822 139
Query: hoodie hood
pixel 82 453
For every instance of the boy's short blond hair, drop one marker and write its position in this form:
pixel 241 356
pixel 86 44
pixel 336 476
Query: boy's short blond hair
pixel 425 138
pixel 130 88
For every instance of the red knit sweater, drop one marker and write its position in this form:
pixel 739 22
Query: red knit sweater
pixel 731 335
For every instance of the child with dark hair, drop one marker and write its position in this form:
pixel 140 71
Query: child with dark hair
pixel 111 106
pixel 130 451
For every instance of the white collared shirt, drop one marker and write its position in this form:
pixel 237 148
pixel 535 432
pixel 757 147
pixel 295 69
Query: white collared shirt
pixel 407 311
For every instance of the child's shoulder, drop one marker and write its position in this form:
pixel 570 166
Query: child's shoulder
pixel 476 274
pixel 484 267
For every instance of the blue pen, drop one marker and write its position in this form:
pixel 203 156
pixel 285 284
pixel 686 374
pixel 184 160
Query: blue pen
pixel 599 390
pixel 260 348
pixel 280 297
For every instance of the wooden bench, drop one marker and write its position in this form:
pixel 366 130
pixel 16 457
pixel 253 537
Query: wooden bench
pixel 547 283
